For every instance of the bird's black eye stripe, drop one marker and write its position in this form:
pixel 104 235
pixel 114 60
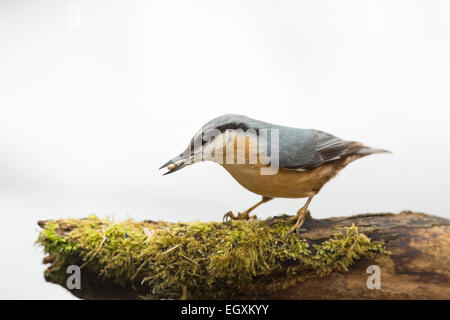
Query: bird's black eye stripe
pixel 232 126
pixel 223 128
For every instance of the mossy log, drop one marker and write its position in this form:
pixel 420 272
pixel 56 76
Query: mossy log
pixel 253 260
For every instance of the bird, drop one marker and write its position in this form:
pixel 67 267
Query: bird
pixel 271 160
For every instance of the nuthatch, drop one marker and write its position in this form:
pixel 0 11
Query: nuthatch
pixel 271 160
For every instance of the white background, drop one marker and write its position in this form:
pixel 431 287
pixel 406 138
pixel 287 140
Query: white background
pixel 96 95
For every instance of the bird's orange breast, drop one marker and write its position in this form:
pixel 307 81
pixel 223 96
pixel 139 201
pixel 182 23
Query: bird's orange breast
pixel 285 183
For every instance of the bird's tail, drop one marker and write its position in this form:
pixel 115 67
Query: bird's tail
pixel 365 151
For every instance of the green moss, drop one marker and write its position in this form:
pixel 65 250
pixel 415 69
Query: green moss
pixel 195 260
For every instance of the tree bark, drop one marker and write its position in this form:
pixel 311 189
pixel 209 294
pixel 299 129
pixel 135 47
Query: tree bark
pixel 418 267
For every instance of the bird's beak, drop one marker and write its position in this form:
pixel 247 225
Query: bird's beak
pixel 177 163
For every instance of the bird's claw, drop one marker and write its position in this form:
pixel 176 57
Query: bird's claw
pixel 241 216
pixel 229 215
pixel 297 227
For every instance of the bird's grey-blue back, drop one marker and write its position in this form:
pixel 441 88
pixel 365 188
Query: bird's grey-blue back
pixel 298 148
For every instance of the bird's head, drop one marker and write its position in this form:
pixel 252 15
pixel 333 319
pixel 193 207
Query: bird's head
pixel 209 143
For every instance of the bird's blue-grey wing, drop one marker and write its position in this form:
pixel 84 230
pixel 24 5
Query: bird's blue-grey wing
pixel 308 149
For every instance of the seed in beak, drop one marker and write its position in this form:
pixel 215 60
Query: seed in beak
pixel 170 167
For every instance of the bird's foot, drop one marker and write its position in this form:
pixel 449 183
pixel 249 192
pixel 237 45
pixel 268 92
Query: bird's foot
pixel 296 227
pixel 241 216
pixel 299 221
